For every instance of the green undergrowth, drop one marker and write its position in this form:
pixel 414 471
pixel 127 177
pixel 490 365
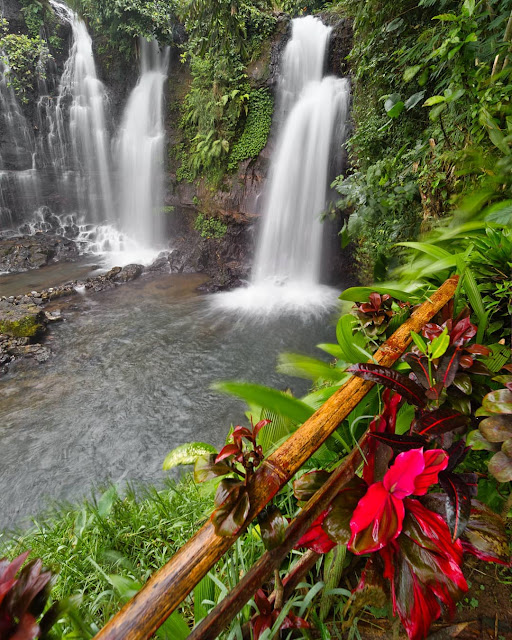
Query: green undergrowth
pixel 109 543
pixel 210 227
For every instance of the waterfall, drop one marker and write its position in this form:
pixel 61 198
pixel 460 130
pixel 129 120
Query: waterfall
pixel 79 148
pixel 140 150
pixel 312 112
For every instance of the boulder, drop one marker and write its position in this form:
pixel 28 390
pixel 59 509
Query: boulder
pixel 31 252
pixel 21 320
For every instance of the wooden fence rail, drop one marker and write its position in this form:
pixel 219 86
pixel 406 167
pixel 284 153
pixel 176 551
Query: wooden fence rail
pixel 161 595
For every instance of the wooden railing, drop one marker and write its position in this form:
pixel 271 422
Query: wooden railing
pixel 161 595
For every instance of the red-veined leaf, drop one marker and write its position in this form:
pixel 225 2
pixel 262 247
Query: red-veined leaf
pixel 459 505
pixel 259 426
pixel 434 423
pixel 466 361
pixel 391 379
pixel 478 350
pixel 400 443
pixel 337 521
pixel 447 367
pixel 462 332
pixel 419 366
pixel 457 452
pixel 294 622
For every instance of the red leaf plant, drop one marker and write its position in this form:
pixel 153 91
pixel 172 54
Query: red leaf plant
pixel 416 544
pixel 268 615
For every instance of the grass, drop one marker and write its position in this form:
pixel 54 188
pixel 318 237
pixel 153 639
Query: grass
pixel 104 549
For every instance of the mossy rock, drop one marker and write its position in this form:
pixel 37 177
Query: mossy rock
pixel 20 321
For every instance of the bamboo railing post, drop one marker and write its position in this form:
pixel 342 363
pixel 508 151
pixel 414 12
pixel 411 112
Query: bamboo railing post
pixel 225 611
pixel 165 590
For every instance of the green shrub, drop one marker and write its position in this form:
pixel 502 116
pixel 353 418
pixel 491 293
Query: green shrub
pixel 210 227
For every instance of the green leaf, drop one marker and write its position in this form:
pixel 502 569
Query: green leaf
pixel 206 468
pixel 409 74
pixel 292 364
pixel 333 350
pixel 187 453
pixel 499 212
pixel 305 487
pixel 446 17
pixel 351 343
pixel 413 100
pixel 439 345
pixel 396 110
pixel 419 342
pixel 362 294
pixel 204 590
pixel 469 6
pixel 426 247
pixel 477 442
pixel 106 502
pixel 498 401
pixel 174 628
pixel 268 398
pixel 430 102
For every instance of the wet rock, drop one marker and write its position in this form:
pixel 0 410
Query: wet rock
pixel 31 252
pixel 21 320
pixel 128 273
pixel 161 263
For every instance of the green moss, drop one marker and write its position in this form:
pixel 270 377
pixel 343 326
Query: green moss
pixel 27 327
pixel 256 130
pixel 210 227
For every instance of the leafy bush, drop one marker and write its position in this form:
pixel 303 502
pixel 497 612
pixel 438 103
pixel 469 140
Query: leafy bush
pixel 25 58
pixel 210 227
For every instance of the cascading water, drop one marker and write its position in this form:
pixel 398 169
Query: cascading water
pixel 82 144
pixel 312 111
pixel 140 150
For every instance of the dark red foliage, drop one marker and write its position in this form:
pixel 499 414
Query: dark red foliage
pixel 268 615
pixel 23 597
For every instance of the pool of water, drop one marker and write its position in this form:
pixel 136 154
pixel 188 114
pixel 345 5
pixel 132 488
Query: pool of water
pixel 130 378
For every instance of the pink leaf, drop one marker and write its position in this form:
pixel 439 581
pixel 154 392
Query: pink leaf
pixel 436 460
pixel 400 479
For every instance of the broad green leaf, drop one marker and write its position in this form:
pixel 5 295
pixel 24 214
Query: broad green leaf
pixel 204 590
pixel 469 6
pixel 391 101
pixel 174 628
pixel 396 110
pixel 477 442
pixel 446 17
pixel 269 398
pixel 500 356
pixel 425 247
pixel 187 453
pixel 498 401
pixel 332 349
pixel 500 212
pixel 413 100
pixel 362 294
pixel 436 111
pixel 312 369
pixel 351 343
pixel 430 102
pixel 439 345
pixel 409 74
pixel 419 342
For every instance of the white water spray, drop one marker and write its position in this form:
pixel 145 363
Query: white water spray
pixel 313 111
pixel 140 151
pixel 85 136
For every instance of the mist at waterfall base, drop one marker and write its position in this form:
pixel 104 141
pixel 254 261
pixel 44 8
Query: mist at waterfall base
pixel 312 114
pixel 110 185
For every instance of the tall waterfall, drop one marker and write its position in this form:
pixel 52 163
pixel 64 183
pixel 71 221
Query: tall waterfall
pixel 140 150
pixel 82 144
pixel 312 112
